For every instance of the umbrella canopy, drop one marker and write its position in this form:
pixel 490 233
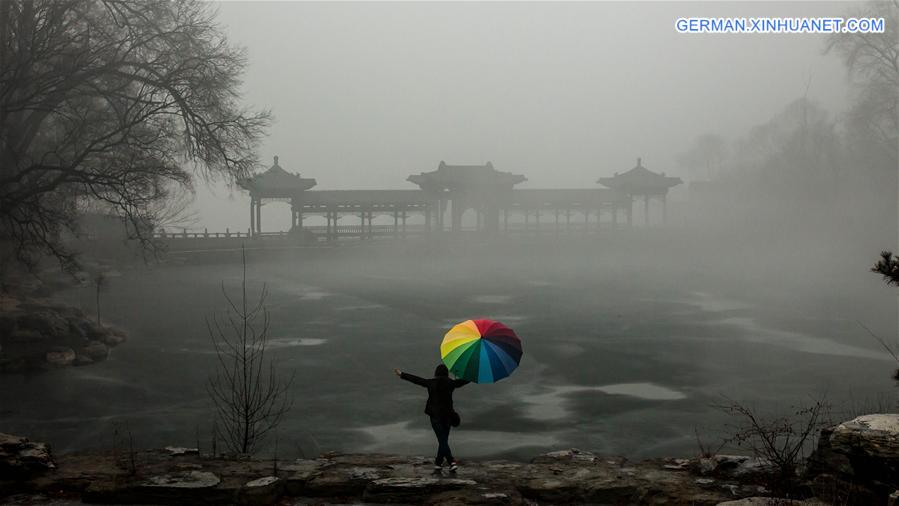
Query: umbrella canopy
pixel 482 351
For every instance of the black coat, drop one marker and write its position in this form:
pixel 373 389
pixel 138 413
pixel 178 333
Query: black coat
pixel 440 393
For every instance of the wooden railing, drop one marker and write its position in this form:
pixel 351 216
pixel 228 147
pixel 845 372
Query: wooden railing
pixel 321 231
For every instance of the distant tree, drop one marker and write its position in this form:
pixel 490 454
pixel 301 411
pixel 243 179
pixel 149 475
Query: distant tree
pixel 249 396
pixel 873 62
pixel 115 101
pixel 705 157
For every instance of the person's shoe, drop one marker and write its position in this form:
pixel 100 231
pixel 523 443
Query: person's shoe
pixel 453 466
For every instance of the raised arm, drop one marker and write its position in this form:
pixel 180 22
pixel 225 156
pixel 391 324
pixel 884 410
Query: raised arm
pixel 413 378
pixel 457 383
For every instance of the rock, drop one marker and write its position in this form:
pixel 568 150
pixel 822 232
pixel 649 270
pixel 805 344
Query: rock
pixel 298 473
pixel 573 454
pixel 21 458
pixel 113 340
pixel 550 489
pixel 341 481
pixel 177 487
pixel 678 464
pixel 264 490
pixel 773 501
pixel 475 495
pixel 7 325
pixel 91 329
pixel 60 356
pixel 76 330
pixel 185 480
pixel 82 360
pixel 403 489
pixel 50 324
pixel 862 453
pixel 95 350
pixel 25 336
pixel 115 336
pixel 733 466
pixel 176 451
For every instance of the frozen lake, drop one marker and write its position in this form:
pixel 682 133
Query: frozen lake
pixel 622 355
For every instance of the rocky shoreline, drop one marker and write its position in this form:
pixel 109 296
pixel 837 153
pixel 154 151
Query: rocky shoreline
pixel 40 334
pixel 855 463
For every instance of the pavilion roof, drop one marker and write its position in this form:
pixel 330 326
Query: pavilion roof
pixel 454 176
pixel 640 180
pixel 276 182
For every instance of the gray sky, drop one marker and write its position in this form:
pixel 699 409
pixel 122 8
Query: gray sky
pixel 366 93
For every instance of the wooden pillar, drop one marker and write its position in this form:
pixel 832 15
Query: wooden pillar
pixel 404 223
pixel 537 221
pixel 664 209
pixel 456 215
pixel 630 214
pixel 646 210
pixel 370 233
pixel 586 220
pixel 615 216
pixel 506 220
pixel 428 212
pixel 252 216
pixel 258 216
pixel 362 225
pixel 328 228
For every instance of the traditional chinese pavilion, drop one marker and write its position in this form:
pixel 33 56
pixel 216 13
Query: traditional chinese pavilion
pixel 278 185
pixel 462 187
pixel 642 182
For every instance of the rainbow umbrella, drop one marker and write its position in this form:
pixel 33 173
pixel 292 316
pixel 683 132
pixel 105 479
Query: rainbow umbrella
pixel 482 351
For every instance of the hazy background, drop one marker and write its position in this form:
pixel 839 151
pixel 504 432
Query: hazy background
pixel 754 291
pixel 365 94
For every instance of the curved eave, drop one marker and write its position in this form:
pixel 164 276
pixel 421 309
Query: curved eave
pixel 661 185
pixel 253 186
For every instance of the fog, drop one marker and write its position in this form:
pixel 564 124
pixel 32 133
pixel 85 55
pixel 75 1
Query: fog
pixel 365 94
pixel 752 282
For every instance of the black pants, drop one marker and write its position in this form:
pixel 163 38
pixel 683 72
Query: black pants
pixel 442 430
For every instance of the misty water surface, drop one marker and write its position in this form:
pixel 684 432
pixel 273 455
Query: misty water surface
pixel 629 338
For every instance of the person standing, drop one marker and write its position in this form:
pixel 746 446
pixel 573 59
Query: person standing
pixel 439 408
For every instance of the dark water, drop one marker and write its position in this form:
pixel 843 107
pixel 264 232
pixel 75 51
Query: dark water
pixel 628 341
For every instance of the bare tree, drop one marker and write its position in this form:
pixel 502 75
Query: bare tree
pixel 781 441
pixel 115 101
pixel 705 156
pixel 249 396
pixel 100 282
pixel 873 62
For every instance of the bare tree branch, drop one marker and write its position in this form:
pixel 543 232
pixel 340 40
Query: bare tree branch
pixel 249 396
pixel 110 101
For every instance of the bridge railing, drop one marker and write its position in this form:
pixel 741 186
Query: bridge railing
pixel 322 231
pixel 205 234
